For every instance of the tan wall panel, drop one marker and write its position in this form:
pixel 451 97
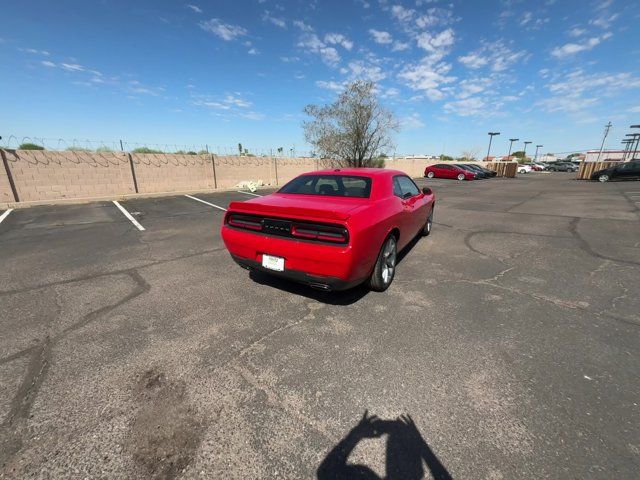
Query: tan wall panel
pixel 46 175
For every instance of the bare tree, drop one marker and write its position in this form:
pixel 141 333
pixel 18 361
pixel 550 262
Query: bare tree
pixel 469 155
pixel 354 130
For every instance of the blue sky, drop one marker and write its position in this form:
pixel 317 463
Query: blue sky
pixel 222 72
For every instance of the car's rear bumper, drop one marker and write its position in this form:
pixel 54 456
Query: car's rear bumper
pixel 320 282
pixel 308 262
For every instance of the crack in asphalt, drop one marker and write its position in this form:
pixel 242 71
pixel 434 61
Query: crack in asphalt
pixel 13 426
pixel 105 274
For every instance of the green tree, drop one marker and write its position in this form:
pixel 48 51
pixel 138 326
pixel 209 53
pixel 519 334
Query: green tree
pixel 446 158
pixel 78 149
pixel 30 146
pixel 240 150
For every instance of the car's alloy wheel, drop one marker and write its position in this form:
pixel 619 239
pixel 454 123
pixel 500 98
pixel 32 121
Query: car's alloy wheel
pixel 431 174
pixel 385 267
pixel 426 230
pixel 603 178
pixel 461 176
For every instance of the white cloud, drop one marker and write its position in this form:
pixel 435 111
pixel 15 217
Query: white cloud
pixel 437 45
pixel 278 22
pixel 289 59
pixel 496 55
pixel 427 76
pixel 434 17
pixel 577 90
pixel 313 44
pixel 225 31
pixel 400 46
pixel 331 85
pixel 302 26
pixel 380 36
pixel 47 63
pixel 569 49
pixel 361 71
pixel 412 121
pixel 253 51
pixel 338 39
pixel 604 21
pixel 72 67
pixel 195 8
pixel 402 14
pixel 577 32
pixel 468 107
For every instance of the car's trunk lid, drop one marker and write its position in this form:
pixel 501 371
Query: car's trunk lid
pixel 293 205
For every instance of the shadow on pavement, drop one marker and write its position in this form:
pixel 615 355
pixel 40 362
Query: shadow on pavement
pixel 345 297
pixel 407 452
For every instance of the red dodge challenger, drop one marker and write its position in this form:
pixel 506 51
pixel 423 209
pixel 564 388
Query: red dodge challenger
pixel 331 229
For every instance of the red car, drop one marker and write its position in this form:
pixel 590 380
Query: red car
pixel 443 170
pixel 331 229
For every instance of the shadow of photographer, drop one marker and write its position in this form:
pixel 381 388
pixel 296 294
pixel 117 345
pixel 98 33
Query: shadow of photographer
pixel 407 452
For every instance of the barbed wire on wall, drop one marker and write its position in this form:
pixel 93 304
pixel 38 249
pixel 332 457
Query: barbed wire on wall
pixel 13 142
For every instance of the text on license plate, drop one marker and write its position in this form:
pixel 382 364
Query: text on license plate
pixel 273 263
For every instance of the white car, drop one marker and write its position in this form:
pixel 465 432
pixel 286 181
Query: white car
pixel 524 168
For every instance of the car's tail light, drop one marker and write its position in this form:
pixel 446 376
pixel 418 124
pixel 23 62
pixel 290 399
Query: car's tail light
pixel 243 221
pixel 322 233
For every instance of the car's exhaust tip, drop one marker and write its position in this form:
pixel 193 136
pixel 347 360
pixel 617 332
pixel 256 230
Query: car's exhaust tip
pixel 320 286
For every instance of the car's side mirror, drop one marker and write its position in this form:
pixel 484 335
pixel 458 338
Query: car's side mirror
pixel 427 190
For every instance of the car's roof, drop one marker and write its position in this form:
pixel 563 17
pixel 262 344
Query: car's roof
pixel 362 172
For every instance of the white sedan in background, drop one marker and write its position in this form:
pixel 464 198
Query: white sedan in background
pixel 524 168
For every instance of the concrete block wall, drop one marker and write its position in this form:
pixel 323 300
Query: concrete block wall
pixel 232 170
pixel 46 175
pixel 6 195
pixel 156 173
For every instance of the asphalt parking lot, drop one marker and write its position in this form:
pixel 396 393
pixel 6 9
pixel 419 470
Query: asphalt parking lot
pixel 510 336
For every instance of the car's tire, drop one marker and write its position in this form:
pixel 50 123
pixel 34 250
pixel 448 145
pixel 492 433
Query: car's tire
pixel 385 268
pixel 431 175
pixel 426 230
pixel 603 178
pixel 522 170
pixel 461 176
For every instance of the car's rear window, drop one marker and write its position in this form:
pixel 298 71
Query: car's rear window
pixel 331 185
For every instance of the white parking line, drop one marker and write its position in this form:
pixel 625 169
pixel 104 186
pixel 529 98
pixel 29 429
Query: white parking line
pixel 210 204
pixel 129 216
pixel 5 214
pixel 249 193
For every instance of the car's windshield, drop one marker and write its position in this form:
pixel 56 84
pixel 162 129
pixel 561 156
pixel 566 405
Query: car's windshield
pixel 331 185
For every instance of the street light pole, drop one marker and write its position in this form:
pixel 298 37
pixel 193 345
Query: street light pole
pixel 491 134
pixel 606 132
pixel 525 150
pixel 635 149
pixel 511 140
pixel 537 147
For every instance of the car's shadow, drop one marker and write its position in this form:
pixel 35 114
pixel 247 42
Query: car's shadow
pixel 345 297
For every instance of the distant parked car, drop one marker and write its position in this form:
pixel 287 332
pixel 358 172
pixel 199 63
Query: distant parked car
pixel 625 171
pixel 537 167
pixel 563 167
pixel 470 168
pixel 524 168
pixel 477 168
pixel 442 170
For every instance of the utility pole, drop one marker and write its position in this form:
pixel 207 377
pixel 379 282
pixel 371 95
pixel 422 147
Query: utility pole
pixel 491 135
pixel 536 157
pixel 511 140
pixel 607 127
pixel 635 149
pixel 524 159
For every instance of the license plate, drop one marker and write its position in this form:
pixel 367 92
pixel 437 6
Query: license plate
pixel 273 263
